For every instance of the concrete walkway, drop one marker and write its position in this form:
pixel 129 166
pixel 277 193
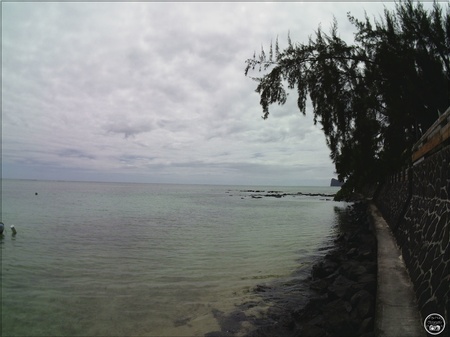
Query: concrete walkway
pixel 397 314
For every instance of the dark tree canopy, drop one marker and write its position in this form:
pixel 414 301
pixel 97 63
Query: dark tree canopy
pixel 373 98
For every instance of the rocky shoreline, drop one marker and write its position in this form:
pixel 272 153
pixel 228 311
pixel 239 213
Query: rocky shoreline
pixel 343 286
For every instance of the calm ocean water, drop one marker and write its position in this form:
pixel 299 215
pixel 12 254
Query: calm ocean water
pixel 118 259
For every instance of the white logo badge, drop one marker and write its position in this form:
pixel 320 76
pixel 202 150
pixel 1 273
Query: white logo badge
pixel 434 324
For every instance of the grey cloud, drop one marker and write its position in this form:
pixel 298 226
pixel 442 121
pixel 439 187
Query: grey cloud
pixel 258 155
pixel 128 130
pixel 154 91
pixel 137 161
pixel 75 153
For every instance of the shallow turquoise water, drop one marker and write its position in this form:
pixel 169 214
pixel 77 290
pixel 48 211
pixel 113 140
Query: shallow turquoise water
pixel 115 259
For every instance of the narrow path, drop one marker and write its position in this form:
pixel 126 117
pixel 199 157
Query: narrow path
pixel 397 314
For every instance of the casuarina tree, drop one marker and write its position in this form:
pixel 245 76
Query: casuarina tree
pixel 373 98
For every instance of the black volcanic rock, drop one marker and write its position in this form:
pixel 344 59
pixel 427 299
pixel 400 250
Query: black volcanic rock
pixel 343 286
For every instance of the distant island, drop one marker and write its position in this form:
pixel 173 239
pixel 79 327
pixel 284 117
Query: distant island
pixel 335 182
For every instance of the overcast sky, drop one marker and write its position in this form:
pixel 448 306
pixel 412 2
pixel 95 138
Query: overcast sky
pixel 156 92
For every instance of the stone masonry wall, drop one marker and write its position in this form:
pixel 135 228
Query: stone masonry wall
pixel 418 211
pixel 394 200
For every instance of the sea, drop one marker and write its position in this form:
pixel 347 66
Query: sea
pixel 128 259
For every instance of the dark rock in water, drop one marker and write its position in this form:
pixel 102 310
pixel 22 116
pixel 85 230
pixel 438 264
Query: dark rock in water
pixel 261 288
pixel 219 334
pixel 353 270
pixel 319 285
pixel 365 327
pixel 341 288
pixel 323 269
pixel 368 282
pixel 352 252
pixel 363 301
pixel 312 309
pixel 275 195
pixel 248 305
pixel 181 321
pixel 338 319
pixel 312 330
pixel 229 323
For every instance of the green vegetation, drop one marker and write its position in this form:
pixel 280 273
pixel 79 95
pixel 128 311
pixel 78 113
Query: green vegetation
pixel 373 98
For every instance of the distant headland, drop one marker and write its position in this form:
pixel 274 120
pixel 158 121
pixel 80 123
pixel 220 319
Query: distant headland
pixel 335 182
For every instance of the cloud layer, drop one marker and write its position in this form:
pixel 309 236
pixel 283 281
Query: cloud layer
pixel 155 92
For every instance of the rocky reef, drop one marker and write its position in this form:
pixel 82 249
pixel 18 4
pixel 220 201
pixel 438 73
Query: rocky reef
pixel 258 194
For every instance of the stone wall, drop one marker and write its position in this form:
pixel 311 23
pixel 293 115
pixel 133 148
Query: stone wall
pixel 395 198
pixel 416 206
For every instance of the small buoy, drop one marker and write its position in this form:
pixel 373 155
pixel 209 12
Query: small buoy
pixel 36 193
pixel 13 230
